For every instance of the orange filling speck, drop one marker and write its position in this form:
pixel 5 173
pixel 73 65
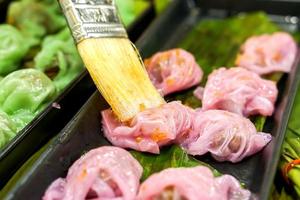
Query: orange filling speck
pixel 157 136
pixel 138 139
pixel 259 50
pixel 170 81
pixel 277 57
pixel 82 174
pixel 217 94
pixel 147 62
pixel 244 78
pixel 164 57
pixel 180 62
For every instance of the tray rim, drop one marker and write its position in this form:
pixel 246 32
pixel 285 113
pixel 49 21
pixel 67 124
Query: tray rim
pixel 294 88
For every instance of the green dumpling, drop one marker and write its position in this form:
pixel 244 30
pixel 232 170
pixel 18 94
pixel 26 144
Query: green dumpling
pixel 13 47
pixel 35 19
pixel 7 129
pixel 23 117
pixel 25 90
pixel 59 59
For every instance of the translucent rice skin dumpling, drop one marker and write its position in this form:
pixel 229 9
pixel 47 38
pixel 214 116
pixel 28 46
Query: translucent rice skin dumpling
pixel 25 89
pixel 13 47
pixel 7 129
pixel 239 91
pixel 22 94
pixel 173 70
pixel 227 136
pixel 59 59
pixel 149 129
pixel 108 173
pixel 193 183
pixel 268 53
pixel 35 19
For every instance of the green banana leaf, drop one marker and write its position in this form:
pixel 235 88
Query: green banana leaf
pixel 291 152
pixel 169 157
pixel 294 118
pixel 283 195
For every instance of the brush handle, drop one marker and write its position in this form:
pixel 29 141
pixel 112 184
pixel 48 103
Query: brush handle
pixel 111 59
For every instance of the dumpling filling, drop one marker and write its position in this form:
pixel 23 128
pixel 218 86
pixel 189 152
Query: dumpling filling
pixel 173 70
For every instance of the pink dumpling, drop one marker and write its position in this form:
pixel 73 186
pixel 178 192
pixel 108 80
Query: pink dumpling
pixel 240 91
pixel 191 184
pixel 227 136
pixel 173 70
pixel 108 172
pixel 268 53
pixel 149 129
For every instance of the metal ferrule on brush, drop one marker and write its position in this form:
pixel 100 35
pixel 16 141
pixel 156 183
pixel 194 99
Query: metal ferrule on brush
pixel 110 57
pixel 93 19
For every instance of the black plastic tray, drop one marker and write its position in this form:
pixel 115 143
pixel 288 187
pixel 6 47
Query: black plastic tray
pixel 52 120
pixel 84 130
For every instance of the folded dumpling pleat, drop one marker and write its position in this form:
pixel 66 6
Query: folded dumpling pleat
pixel 268 53
pixel 240 91
pixel 149 129
pixel 109 173
pixel 227 136
pixel 173 70
pixel 197 183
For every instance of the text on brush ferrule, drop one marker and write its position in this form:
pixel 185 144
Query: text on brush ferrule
pixel 93 19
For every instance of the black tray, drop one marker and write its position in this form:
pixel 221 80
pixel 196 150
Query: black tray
pixel 52 120
pixel 84 130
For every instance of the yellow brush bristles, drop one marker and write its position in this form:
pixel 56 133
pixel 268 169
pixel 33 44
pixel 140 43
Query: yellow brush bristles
pixel 120 76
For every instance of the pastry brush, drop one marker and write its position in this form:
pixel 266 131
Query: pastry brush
pixel 110 57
